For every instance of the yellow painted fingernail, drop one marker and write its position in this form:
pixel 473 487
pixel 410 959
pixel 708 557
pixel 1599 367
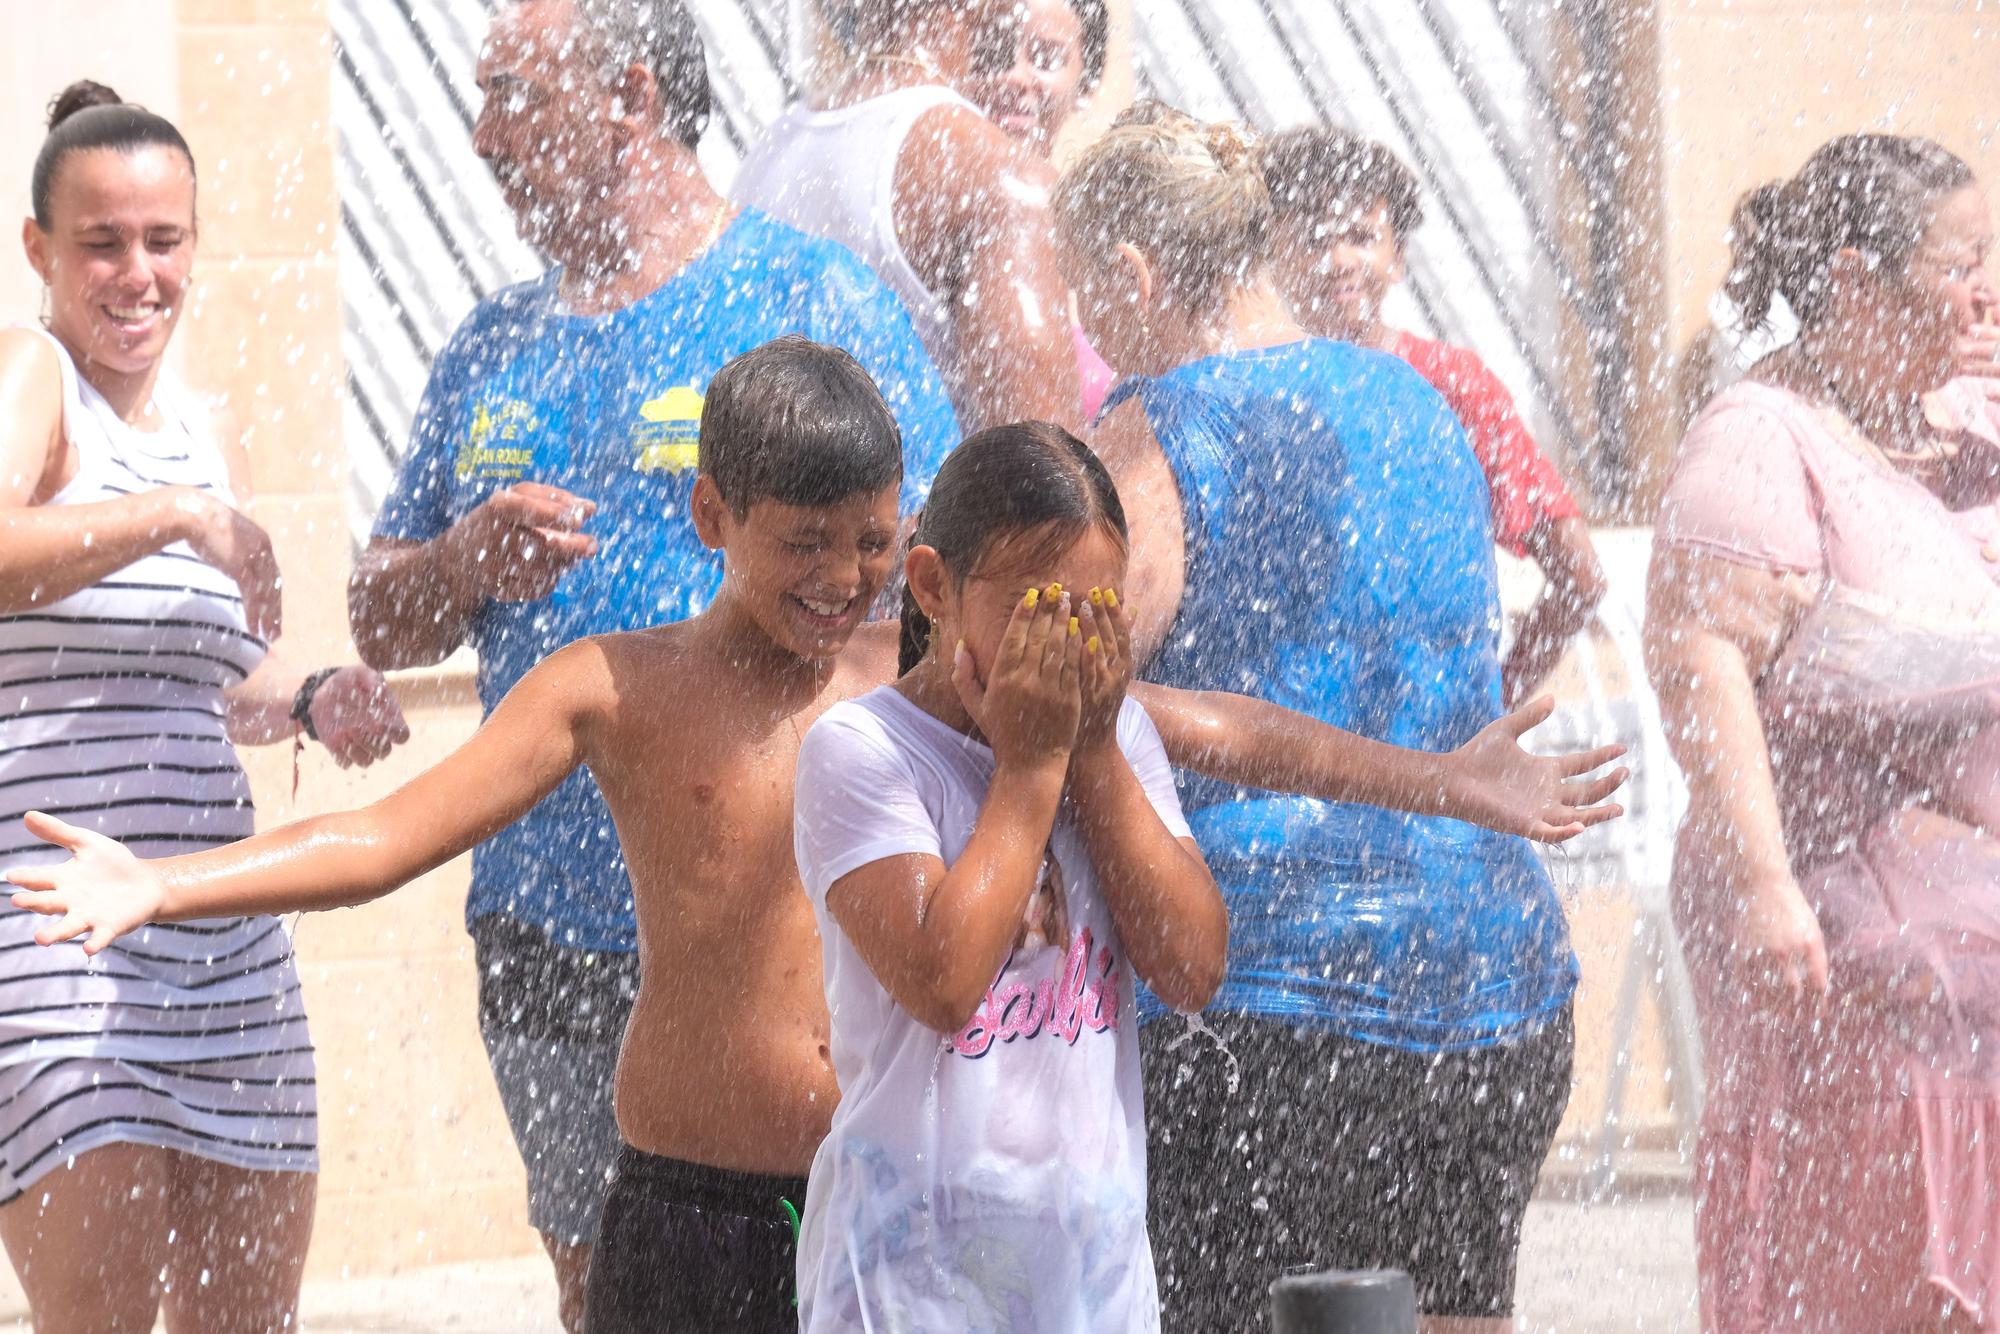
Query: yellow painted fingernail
pixel 1055 590
pixel 1111 597
pixel 1074 626
pixel 1096 597
pixel 1034 596
pixel 1093 644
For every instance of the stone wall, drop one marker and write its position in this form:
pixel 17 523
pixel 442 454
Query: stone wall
pixel 418 1164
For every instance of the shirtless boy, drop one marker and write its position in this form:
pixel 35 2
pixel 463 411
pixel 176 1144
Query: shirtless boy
pixel 724 1088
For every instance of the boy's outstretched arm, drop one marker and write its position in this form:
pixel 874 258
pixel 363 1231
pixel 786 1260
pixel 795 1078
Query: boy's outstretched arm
pixel 533 740
pixel 1488 781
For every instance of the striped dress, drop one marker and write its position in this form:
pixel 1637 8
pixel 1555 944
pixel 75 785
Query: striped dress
pixel 189 1036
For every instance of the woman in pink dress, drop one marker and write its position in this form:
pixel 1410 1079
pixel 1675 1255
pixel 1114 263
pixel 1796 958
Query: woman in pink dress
pixel 1824 632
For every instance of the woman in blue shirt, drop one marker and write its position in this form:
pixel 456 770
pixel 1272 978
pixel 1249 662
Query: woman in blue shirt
pixel 1309 525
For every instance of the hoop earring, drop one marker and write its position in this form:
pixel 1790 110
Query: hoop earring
pixel 46 314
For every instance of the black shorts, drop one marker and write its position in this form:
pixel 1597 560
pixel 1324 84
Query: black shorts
pixel 1295 1149
pixel 684 1247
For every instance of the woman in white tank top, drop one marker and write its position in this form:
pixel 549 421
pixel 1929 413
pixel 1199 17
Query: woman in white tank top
pixel 945 208
pixel 156 1104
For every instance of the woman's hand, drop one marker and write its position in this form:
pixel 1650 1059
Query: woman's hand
pixel 1029 705
pixel 1779 948
pixel 1979 351
pixel 101 892
pixel 1491 781
pixel 233 543
pixel 356 717
pixel 1105 627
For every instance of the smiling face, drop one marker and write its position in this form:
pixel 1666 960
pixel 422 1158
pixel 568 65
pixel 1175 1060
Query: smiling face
pixel 806 574
pixel 1945 288
pixel 1336 272
pixel 118 253
pixel 1028 72
pixel 544 127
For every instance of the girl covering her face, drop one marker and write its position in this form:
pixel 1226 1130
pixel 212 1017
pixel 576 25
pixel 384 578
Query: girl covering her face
pixel 996 856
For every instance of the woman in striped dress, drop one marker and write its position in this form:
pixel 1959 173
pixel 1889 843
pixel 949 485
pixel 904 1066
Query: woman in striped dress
pixel 157 1123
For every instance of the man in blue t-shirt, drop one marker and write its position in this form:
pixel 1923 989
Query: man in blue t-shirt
pixel 544 497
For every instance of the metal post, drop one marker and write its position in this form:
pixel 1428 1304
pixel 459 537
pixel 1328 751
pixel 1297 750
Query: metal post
pixel 1369 1301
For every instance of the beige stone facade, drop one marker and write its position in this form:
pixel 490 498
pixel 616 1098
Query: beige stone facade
pixel 1748 90
pixel 418 1164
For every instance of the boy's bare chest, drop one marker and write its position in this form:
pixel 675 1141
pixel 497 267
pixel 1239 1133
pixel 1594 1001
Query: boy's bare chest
pixel 708 808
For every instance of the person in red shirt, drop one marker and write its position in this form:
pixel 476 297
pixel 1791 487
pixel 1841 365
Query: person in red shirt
pixel 1346 207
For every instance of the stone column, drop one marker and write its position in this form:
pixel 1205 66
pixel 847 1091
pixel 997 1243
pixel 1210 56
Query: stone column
pixel 418 1166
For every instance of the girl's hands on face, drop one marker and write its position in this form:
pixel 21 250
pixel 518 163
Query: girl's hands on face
pixel 1105 626
pixel 1030 702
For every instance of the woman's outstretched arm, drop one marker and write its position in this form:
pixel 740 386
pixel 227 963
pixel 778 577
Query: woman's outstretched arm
pixel 538 735
pixel 1489 781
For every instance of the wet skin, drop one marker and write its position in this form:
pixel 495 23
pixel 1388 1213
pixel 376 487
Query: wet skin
pixel 725 1058
pixel 692 733
pixel 1336 274
pixel 1028 74
pixel 970 209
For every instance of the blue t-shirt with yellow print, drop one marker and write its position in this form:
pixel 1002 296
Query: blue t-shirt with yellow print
pixel 609 407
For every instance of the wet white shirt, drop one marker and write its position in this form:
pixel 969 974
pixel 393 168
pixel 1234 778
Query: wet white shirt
pixel 995 1180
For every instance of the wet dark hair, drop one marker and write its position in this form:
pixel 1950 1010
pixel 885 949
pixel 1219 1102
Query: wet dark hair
pixel 1317 173
pixel 800 423
pixel 1095 22
pixel 1028 479
pixel 1868 192
pixel 662 36
pixel 89 115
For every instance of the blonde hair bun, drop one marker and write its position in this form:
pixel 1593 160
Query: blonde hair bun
pixel 1188 195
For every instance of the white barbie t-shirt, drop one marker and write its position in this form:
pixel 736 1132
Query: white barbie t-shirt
pixel 994 1180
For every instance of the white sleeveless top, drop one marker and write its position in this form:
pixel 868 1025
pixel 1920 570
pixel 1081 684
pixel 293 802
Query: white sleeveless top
pixel 833 173
pixel 112 717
